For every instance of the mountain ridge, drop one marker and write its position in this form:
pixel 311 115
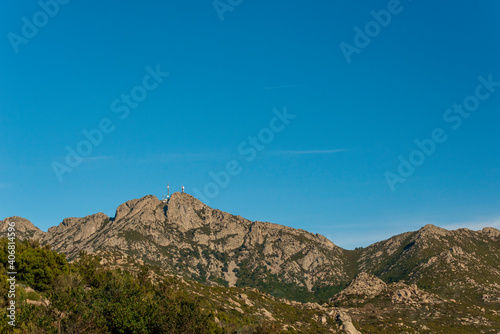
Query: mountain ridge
pixel 186 237
pixel 426 229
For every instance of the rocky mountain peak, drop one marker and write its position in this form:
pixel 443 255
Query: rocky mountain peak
pixel 432 230
pixel 72 221
pixel 491 232
pixel 187 212
pixel 181 209
pixel 24 228
pixel 179 198
pixel 135 207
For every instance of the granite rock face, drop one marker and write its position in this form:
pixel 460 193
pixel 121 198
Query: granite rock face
pixel 186 237
pixel 191 239
pixel 24 229
pixel 363 286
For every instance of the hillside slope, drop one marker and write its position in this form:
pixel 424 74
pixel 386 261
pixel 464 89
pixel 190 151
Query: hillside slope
pixel 186 237
pixel 460 264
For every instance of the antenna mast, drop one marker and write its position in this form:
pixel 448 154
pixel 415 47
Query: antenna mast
pixel 165 198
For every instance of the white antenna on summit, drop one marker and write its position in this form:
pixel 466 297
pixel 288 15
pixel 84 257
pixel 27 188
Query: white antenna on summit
pixel 166 197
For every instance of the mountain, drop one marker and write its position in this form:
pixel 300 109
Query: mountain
pixel 186 237
pixel 461 264
pixel 24 229
pixel 434 277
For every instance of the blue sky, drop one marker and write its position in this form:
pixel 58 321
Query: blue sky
pixel 324 171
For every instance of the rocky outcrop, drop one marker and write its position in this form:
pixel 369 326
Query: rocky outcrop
pixel 362 287
pixel 411 294
pixel 145 210
pixel 345 322
pixel 24 229
pixel 366 287
pixel 75 234
pixel 491 232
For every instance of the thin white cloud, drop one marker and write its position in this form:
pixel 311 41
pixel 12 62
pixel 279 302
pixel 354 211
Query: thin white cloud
pixel 182 157
pixel 307 152
pixel 285 86
pixel 101 157
pixel 212 156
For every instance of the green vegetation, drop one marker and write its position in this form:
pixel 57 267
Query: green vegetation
pixel 54 296
pixel 36 266
pixel 87 297
pixel 262 279
pixel 132 235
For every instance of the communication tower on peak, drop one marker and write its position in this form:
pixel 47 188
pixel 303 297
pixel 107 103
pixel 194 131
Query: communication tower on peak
pixel 165 198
